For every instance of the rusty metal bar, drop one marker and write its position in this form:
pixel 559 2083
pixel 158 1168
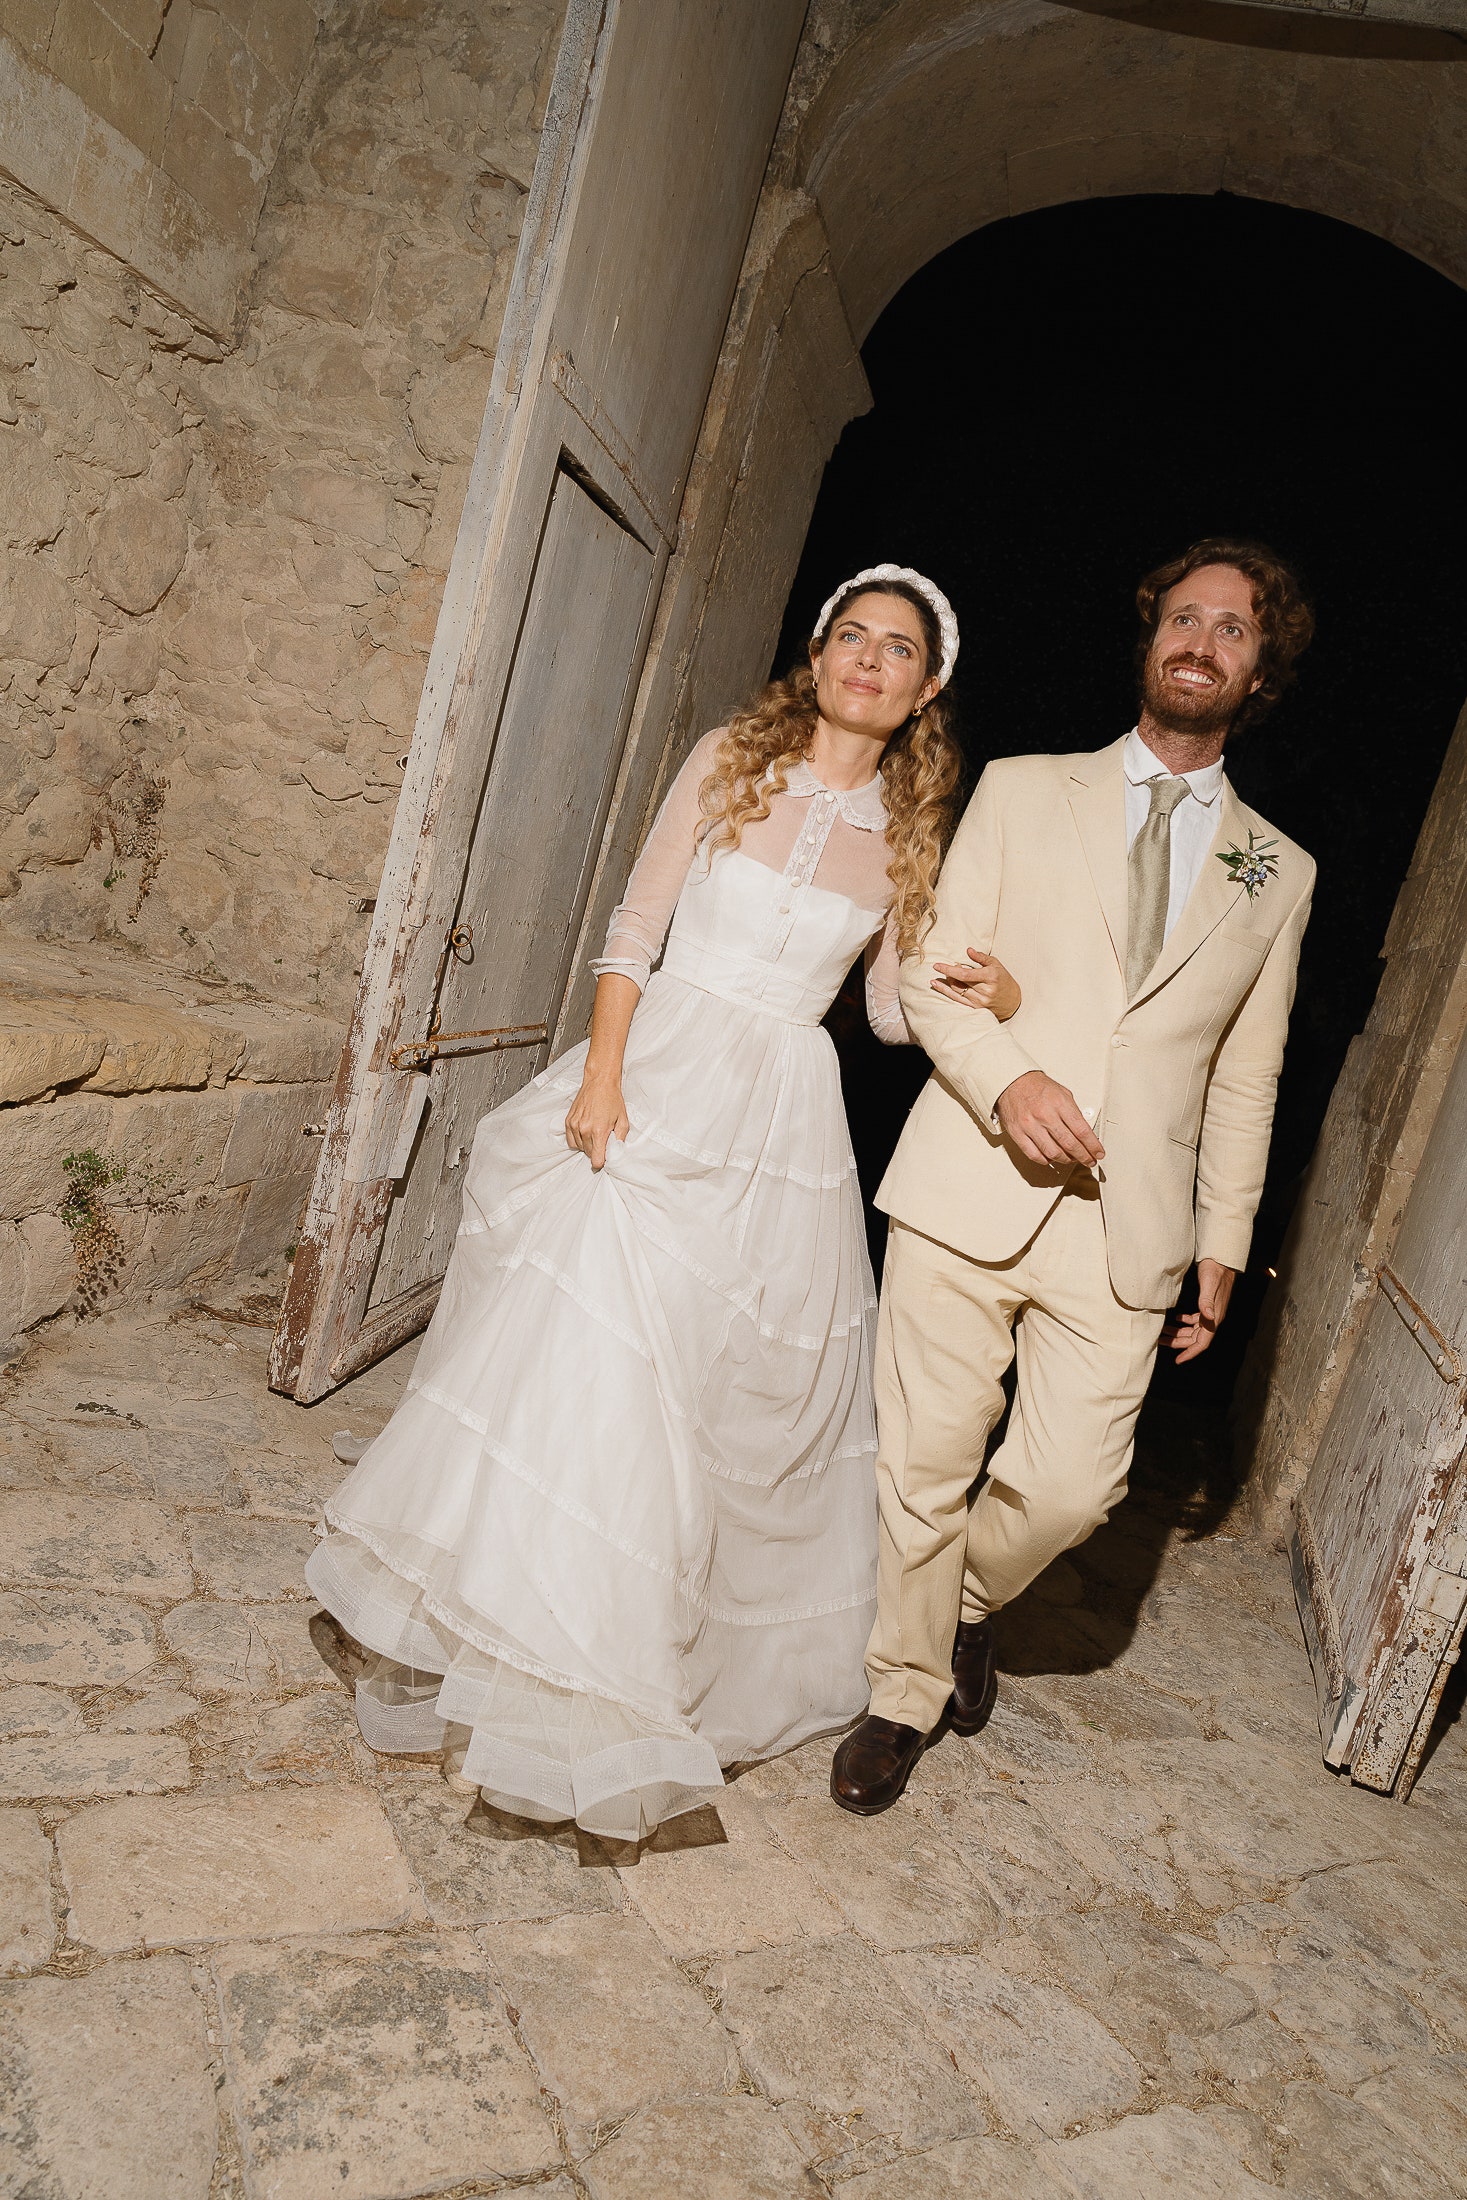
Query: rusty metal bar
pixel 1441 1354
pixel 419 1053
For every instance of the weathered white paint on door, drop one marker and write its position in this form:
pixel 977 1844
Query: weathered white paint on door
pixel 656 139
pixel 1380 1542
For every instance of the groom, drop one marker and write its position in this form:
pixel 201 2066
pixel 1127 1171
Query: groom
pixel 1062 1170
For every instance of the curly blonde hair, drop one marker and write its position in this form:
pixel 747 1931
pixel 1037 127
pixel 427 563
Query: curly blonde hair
pixel 921 769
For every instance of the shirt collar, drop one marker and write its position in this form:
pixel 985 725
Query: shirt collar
pixel 863 807
pixel 1141 765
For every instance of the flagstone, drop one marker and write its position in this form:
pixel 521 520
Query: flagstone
pixel 57 1539
pixel 482 1867
pixel 825 2024
pixel 76 1765
pixel 731 1890
pixel 1340 2150
pixel 375 2067
pixel 72 1639
pixel 896 1880
pixel 732 2149
pixel 965 2169
pixel 37 1710
pixel 185 1869
pixel 27 1930
pixel 611 2023
pixel 254 1561
pixel 1046 2061
pixel 108 2084
pixel 1170 2151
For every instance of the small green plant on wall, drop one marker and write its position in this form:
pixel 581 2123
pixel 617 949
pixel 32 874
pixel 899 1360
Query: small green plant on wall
pixel 96 1241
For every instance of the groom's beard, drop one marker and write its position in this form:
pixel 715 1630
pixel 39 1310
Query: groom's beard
pixel 1192 710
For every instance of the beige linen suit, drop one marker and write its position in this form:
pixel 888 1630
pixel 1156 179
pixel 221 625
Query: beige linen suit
pixel 1180 1084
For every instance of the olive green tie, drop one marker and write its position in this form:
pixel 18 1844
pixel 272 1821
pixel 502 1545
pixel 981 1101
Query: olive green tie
pixel 1151 881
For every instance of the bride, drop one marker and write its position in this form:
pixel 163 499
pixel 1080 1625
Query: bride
pixel 621 1531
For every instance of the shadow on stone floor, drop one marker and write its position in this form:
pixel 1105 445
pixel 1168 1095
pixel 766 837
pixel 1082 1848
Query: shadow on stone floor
pixel 1083 1611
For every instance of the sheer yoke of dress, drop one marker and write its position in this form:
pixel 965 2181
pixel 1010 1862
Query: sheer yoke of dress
pixel 622 1526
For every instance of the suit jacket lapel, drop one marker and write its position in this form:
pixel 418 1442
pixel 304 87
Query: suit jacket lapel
pixel 1210 899
pixel 1097 794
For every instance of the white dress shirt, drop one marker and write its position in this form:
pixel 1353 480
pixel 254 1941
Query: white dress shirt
pixel 1194 823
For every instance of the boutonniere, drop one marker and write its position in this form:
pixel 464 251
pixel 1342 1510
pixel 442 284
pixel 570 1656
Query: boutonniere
pixel 1252 867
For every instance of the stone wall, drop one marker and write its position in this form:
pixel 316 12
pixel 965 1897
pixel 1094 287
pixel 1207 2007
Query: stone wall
pixel 153 125
pixel 1355 1192
pixel 221 560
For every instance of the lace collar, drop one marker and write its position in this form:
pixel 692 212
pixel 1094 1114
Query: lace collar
pixel 863 807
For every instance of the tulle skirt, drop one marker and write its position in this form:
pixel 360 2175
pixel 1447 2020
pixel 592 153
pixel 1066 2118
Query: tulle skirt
pixel 622 1527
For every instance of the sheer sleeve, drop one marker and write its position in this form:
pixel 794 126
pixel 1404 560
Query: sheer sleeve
pixel 639 924
pixel 883 1003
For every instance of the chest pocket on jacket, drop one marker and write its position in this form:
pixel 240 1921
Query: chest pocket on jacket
pixel 1246 937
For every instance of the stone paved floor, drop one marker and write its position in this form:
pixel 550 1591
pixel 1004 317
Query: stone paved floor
pixel 1134 1940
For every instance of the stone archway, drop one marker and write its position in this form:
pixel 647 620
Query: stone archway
pixel 910 124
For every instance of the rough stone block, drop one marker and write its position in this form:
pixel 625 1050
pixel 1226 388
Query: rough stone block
pixel 325 264
pixel 279 1046
pixel 111 74
pixel 308 1740
pixel 27 1933
pixel 482 1867
pixel 268 1138
pixel 34 1142
pixel 129 2042
pixel 824 2024
pixel 272 1219
pixel 40 1048
pixel 610 2022
pixel 37 613
pixel 70 1765
pixel 148 1047
pixel 734 2149
pixel 138 548
pixel 175 1144
pixel 73 1641
pixel 446 408
pixel 733 1891
pixel 48 1269
pixel 899 1883
pixel 371 2067
pixel 53 1540
pixel 258 1866
pixel 1045 2060
pixel 214 169
pixel 193 1240
pixel 348 504
pixel 254 1561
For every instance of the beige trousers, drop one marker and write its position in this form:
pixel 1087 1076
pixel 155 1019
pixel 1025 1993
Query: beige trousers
pixel 947 1330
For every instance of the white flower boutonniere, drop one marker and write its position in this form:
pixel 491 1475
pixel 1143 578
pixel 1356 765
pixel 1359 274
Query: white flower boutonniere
pixel 1252 867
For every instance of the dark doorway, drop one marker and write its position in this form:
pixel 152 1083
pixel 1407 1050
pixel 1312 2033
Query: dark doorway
pixel 1067 397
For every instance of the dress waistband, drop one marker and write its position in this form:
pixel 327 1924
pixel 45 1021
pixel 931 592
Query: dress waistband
pixel 709 972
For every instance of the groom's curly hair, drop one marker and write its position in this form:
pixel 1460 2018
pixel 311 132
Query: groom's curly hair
pixel 1279 604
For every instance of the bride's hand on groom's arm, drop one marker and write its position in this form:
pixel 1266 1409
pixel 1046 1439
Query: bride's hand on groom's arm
pixel 981 982
pixel 1189 1334
pixel 1044 1120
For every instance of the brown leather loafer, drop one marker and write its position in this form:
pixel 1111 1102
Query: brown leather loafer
pixel 975 1677
pixel 874 1764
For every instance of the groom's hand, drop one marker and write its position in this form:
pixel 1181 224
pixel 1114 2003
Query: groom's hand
pixel 1044 1121
pixel 1189 1334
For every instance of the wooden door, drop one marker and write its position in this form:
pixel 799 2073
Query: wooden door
pixel 1380 1543
pixel 656 139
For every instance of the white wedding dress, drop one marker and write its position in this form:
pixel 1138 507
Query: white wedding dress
pixel 622 1526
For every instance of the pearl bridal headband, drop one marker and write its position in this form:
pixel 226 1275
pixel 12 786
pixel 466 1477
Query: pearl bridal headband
pixel 942 610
